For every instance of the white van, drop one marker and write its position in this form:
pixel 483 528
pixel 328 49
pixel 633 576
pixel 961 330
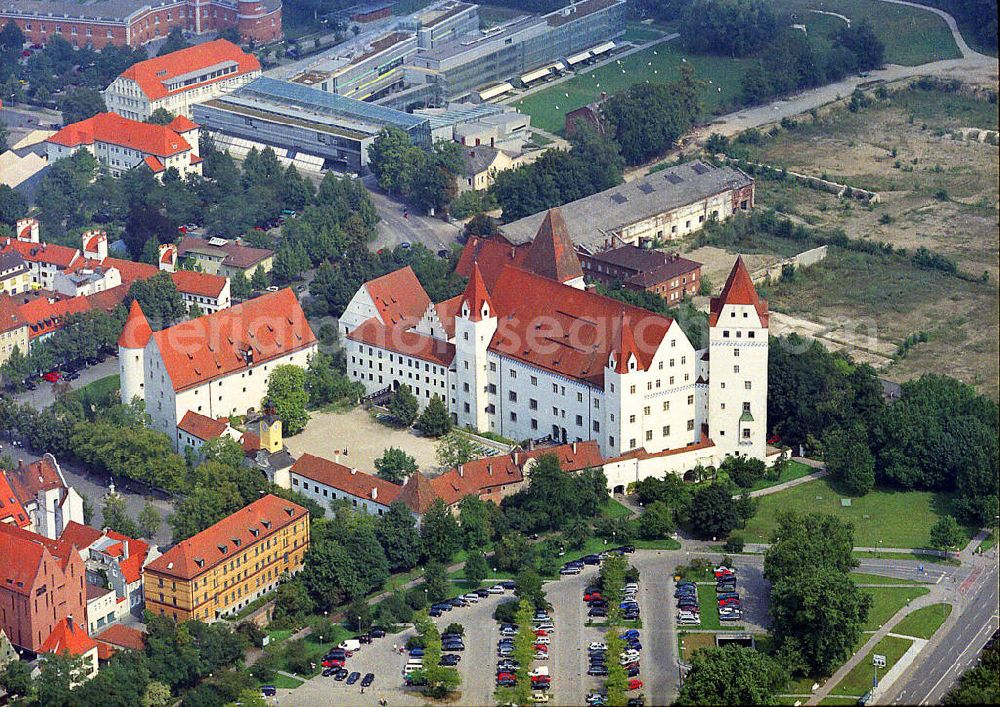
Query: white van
pixel 351 645
pixel 410 668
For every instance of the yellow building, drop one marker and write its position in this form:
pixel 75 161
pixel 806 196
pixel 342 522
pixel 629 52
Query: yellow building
pixel 15 275
pixel 225 567
pixel 13 329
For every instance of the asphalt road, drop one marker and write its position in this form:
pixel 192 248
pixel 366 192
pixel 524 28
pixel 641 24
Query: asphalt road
pixel 43 396
pixel 395 228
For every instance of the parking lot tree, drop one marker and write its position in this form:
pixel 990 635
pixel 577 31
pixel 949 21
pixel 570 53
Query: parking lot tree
pixel 656 521
pixel 149 520
pixel 529 587
pixel 115 515
pixel 435 421
pixel 524 650
pixel 436 581
pixel 712 513
pixel 849 459
pixel 616 682
pixel 947 535
pixel 404 406
pixel 359 616
pixel 734 543
pixel 397 534
pixel 743 470
pixel 395 465
pixel 476 569
pixel 454 449
pixel 286 391
pixel 441 680
pixel 809 540
pixel 611 578
pixel 393 610
pixel 732 676
pixel 455 628
pixel 439 533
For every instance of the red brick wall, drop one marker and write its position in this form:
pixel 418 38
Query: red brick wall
pixel 255 22
pixel 745 193
pixel 28 620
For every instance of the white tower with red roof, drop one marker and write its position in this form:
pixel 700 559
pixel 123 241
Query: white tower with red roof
pixel 475 325
pixel 624 392
pixel 131 355
pixel 738 340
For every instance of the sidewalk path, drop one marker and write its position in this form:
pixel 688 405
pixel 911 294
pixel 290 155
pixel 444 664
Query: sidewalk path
pixel 819 474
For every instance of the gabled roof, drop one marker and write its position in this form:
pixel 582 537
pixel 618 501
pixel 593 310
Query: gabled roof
pixel 11 510
pixel 398 296
pixel 738 290
pixel 404 339
pixel 218 543
pixel 10 316
pixel 345 479
pixel 113 129
pixel 475 295
pixel 122 636
pixel 492 253
pixel 417 493
pixel 204 284
pixel 182 124
pixel 154 74
pixel 26 481
pixel 552 254
pixel 232 254
pixel 230 340
pixel 79 535
pixel 446 312
pixel 23 552
pixel 136 332
pixel 625 348
pixel 202 426
pixel 68 637
pixel 50 253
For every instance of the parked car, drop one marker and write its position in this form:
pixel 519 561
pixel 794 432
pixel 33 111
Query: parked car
pixel 591 560
pixel 327 672
pixel 341 675
pixel 450 659
pixel 353 678
pixel 368 679
pixel 570 570
pixel 416 652
pixel 597 670
pixel 597 646
pixel 268 690
pixel 495 589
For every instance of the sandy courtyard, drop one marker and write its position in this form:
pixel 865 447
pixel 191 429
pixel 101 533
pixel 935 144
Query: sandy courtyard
pixel 328 434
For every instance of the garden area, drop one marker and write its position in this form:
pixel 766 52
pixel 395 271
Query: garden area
pixel 859 680
pixel 924 622
pixel 886 601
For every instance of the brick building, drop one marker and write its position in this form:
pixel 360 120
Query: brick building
pixel 665 274
pixel 134 22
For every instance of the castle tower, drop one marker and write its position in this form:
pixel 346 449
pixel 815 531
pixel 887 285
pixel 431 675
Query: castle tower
pixel 737 385
pixel 474 328
pixel 131 354
pixel 622 393
pixel 552 253
pixel 168 257
pixel 95 245
pixel 27 230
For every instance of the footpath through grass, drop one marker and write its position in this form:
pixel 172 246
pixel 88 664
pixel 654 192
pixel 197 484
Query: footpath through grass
pixel 862 578
pixel 859 680
pixel 901 519
pixel 886 601
pixel 923 623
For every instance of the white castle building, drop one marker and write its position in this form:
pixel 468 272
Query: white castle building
pixel 216 365
pixel 527 352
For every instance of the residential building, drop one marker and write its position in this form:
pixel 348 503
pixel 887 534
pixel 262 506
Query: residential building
pixel 119 637
pixel 70 638
pixel 42 583
pixel 264 448
pixel 15 276
pixel 217 364
pixel 11 510
pixel 195 429
pixel 45 312
pixel 177 80
pixel 526 352
pixel 132 23
pixel 114 565
pixel 323 481
pixel 41 489
pixel 306 126
pixel 219 256
pixel 660 207
pixel 480 166
pixel 13 329
pixel 228 565
pixel 121 144
pixel 665 274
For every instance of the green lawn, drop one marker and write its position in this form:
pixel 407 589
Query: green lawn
pixel 793 470
pixel 639 33
pixel 710 611
pixel 991 540
pixel 928 559
pixel 284 682
pixel 896 518
pixel 862 578
pixel 662 62
pixel 316 650
pixel 886 601
pixel 614 509
pixel 912 36
pixel 859 680
pixel 922 623
pixel 99 388
pixel 280 635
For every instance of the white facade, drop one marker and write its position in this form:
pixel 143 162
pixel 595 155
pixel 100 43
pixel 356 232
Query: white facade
pixel 125 97
pixel 378 368
pixel 324 494
pixel 118 158
pixel 86 281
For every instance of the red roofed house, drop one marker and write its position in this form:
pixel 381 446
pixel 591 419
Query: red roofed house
pixel 119 637
pixel 179 79
pixel 121 144
pixel 11 510
pixel 42 582
pixel 42 491
pixel 323 481
pixel 195 429
pixel 216 365
pixel 69 638
pixel 526 353
pixel 227 566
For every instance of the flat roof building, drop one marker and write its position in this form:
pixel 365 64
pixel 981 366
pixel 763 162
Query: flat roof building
pixel 313 128
pixel 664 206
pixel 443 22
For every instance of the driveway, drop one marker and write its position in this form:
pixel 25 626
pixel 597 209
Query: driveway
pixel 42 396
pixel 394 228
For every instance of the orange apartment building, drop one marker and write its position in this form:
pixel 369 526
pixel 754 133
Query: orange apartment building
pixel 227 566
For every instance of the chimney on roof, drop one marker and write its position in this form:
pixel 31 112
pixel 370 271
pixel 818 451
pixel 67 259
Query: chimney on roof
pixel 574 447
pixel 353 472
pixel 124 549
pixel 374 493
pixel 514 455
pixel 461 470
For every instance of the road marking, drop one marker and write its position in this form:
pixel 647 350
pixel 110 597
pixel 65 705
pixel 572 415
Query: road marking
pixel 973 642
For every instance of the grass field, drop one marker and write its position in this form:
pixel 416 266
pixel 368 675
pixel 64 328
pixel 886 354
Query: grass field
pixel 886 601
pixel 100 387
pixel 859 680
pixel 894 518
pixel 614 509
pixel 690 643
pixel 831 700
pixel 659 63
pixel 710 610
pixel 794 470
pixel 862 578
pixel 912 36
pixel 922 623
pixel 927 559
pixel 638 33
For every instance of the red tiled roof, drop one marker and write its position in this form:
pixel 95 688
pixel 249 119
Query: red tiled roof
pixel 738 289
pixel 404 340
pixel 181 124
pixel 398 296
pixel 417 493
pixel 11 510
pixel 199 350
pixel 492 253
pixel 154 164
pixel 153 74
pixel 552 254
pixel 122 636
pixel 104 651
pixel 566 330
pixel 198 283
pixel 475 295
pixel 446 312
pixel 198 554
pixel 235 255
pixel 704 443
pixel 68 637
pixel 343 478
pixel 113 129
pixel 29 479
pixel 10 317
pixel 250 441
pixel 81 536
pixel 202 426
pixel 625 348
pixel 138 550
pixel 575 456
pixel 93 242
pixel 44 317
pixel 23 552
pixel 136 332
pixel 59 255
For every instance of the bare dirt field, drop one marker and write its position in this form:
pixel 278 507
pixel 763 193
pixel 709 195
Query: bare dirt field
pixel 330 433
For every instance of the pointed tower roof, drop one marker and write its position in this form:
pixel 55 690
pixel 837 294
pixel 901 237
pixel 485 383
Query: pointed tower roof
pixel 417 493
pixel 476 293
pixel 552 253
pixel 137 332
pixel 739 289
pixel 625 346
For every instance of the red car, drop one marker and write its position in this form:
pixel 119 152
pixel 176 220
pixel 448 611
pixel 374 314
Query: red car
pixel 52 376
pixel 539 648
pixel 592 596
pixel 635 684
pixel 333 663
pixel 540 678
pixel 541 632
